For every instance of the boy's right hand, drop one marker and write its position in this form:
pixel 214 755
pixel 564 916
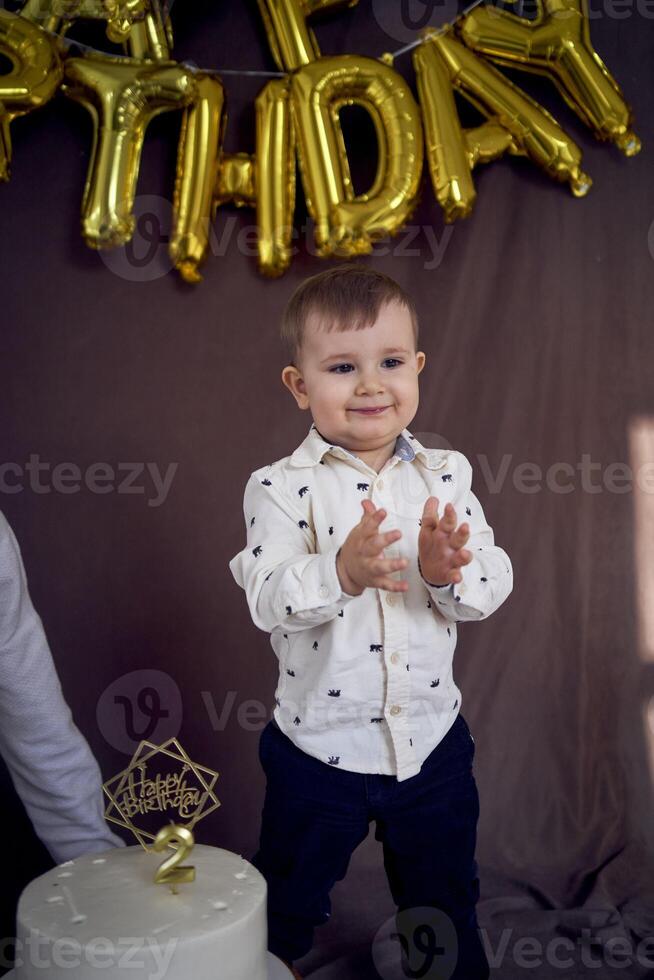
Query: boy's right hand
pixel 360 562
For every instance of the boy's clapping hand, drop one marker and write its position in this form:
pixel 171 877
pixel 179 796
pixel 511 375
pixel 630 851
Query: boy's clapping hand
pixel 440 544
pixel 360 562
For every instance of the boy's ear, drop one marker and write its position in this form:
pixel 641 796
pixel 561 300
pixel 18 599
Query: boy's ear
pixel 420 358
pixel 292 378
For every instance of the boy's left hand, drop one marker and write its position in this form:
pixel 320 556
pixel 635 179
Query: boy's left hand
pixel 440 544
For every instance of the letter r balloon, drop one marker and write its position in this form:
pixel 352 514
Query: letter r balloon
pixel 35 75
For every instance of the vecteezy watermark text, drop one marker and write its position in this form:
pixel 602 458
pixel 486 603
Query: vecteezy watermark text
pixel 401 21
pixel 41 477
pixel 425 937
pixel 146 257
pixel 565 477
pixel 145 954
pixel 562 952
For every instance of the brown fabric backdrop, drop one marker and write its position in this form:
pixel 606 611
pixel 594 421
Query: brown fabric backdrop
pixel 536 321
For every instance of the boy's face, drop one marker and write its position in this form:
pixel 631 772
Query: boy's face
pixel 360 385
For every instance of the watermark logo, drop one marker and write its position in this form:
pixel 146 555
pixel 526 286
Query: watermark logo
pixel 134 478
pixel 587 951
pixel 323 712
pixel 145 257
pixel 422 943
pixel 148 956
pixel 141 705
pixel 559 477
pixel 418 942
pixel 402 20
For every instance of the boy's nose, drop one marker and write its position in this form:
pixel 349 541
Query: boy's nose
pixel 370 384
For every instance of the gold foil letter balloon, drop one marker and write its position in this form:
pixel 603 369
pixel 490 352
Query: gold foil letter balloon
pixel 143 26
pixel 122 96
pixel 199 146
pixel 347 224
pixel 57 15
pixel 150 37
pixel 557 43
pixel 275 177
pixel 448 159
pixel 291 40
pixel 516 125
pixel 34 77
pixel 207 178
pixel 274 174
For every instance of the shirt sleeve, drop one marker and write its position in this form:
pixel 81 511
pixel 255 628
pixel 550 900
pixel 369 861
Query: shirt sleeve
pixel 287 585
pixel 50 763
pixel 487 580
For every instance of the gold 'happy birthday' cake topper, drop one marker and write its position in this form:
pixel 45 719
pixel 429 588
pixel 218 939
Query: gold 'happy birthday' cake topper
pixel 151 788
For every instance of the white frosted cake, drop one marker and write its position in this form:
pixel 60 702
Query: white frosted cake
pixel 104 914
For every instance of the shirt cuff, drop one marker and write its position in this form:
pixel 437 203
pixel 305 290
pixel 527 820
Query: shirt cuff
pixel 317 588
pixel 459 601
pixel 333 583
pixel 432 585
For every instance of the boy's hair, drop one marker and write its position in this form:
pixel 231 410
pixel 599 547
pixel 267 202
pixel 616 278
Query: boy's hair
pixel 347 297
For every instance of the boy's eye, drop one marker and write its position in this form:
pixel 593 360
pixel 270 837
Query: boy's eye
pixel 346 368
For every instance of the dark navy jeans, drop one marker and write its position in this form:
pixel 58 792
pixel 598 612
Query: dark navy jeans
pixel 315 815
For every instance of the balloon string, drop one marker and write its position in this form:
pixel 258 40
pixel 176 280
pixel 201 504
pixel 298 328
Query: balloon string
pixel 70 42
pixel 244 71
pixel 435 33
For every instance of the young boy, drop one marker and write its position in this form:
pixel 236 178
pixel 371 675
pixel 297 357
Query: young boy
pixel 357 566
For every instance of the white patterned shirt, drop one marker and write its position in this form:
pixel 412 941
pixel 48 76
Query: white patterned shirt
pixel 365 682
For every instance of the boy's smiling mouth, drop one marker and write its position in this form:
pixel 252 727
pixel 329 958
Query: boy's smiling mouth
pixel 370 411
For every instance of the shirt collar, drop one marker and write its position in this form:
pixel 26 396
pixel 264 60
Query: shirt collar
pixel 407 448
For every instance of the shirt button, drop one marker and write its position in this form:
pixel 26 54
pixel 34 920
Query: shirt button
pixel 395 659
pixel 323 591
pixel 395 710
pixel 390 599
